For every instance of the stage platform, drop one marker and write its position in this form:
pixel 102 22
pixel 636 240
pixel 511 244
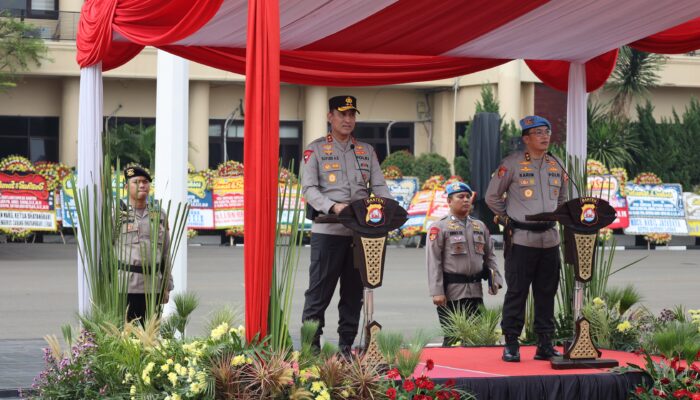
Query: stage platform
pixel 481 371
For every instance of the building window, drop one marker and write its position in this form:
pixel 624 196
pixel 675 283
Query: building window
pixel 38 9
pixel 230 146
pixel 33 137
pixel 400 136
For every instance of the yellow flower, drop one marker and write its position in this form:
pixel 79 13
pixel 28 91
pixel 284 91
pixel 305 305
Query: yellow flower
pixel 598 302
pixel 172 377
pixel 165 367
pixel 170 361
pixel 345 394
pixel 318 386
pixel 147 380
pixel 238 360
pixel 176 396
pixel 324 395
pixel 624 327
pixel 219 331
pixel 132 391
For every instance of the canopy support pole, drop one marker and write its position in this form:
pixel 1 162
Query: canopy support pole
pixel 172 110
pixel 576 119
pixel 90 159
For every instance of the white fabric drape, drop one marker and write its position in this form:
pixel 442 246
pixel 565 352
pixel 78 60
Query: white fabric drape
pixel 576 121
pixel 89 165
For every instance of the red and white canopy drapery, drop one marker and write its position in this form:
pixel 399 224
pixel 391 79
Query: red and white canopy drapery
pixel 569 44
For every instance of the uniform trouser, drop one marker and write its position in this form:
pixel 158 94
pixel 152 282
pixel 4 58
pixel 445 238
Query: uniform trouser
pixel 332 260
pixel 136 306
pixel 470 304
pixel 527 266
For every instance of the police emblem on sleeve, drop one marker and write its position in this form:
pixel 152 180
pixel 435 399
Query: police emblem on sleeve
pixel 433 233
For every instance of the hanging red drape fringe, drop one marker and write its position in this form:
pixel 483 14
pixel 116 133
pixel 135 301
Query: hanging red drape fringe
pixel 683 38
pixel 555 74
pixel 260 154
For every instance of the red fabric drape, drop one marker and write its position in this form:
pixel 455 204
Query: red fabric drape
pixel 342 69
pixel 260 155
pixel 143 23
pixel 556 73
pixel 680 39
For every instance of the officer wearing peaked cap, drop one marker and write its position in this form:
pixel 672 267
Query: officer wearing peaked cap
pixel 338 169
pixel 529 182
pixel 134 249
pixel 459 255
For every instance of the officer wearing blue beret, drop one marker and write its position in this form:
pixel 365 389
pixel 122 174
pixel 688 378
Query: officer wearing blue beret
pixel 459 255
pixel 529 182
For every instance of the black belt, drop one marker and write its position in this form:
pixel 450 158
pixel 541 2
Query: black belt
pixel 449 277
pixel 134 268
pixel 535 227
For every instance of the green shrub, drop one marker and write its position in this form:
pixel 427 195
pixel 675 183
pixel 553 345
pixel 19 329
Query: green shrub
pixel 429 164
pixel 401 159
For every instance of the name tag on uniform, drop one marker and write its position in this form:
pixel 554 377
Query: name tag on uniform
pixel 457 239
pixel 131 228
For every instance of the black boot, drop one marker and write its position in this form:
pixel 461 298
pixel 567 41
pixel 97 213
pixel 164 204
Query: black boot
pixel 511 352
pixel 545 350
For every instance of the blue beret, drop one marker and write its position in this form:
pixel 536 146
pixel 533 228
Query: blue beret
pixel 533 121
pixel 457 187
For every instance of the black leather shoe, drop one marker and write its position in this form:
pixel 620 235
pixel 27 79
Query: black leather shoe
pixel 545 350
pixel 511 353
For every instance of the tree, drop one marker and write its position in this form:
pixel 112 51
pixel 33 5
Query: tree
pixel 20 49
pixel 635 73
pixel 610 139
pixel 133 143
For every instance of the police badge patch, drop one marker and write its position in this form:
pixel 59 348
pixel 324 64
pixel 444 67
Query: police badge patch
pixel 307 155
pixel 433 233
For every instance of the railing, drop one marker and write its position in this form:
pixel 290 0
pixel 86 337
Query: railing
pixel 49 25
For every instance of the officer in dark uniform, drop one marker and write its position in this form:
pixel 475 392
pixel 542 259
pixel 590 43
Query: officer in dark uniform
pixel 133 245
pixel 338 170
pixel 529 182
pixel 459 255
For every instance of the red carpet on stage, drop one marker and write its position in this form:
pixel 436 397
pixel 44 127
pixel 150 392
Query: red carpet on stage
pixel 480 371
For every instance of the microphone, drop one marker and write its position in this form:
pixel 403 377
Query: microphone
pixel 352 147
pixel 568 176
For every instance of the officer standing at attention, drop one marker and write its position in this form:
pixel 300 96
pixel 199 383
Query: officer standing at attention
pixel 337 171
pixel 529 182
pixel 134 248
pixel 459 255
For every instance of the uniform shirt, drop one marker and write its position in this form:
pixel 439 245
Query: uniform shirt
pixel 459 247
pixel 531 187
pixel 334 173
pixel 133 247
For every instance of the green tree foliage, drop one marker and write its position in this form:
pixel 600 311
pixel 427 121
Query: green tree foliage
pixel 670 146
pixel 133 143
pixel 401 159
pixel 610 139
pixel 19 49
pixel 636 71
pixel 429 164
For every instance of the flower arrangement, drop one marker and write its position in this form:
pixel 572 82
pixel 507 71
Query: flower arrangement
pixel 230 168
pixel 394 236
pixel 453 179
pixel 615 321
pixel 50 173
pixel 435 182
pixel 235 231
pixel 16 234
pixel 392 172
pixel 647 178
pixel 287 176
pixel 604 235
pixel 191 233
pixel 658 238
pixel 16 163
pixel 622 178
pixel 422 387
pixel 190 168
pixel 595 167
pixel 411 231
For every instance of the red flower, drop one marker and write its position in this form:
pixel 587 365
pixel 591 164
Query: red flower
pixel 391 393
pixel 696 396
pixel 639 390
pixel 680 393
pixel 429 364
pixel 408 385
pixel 393 374
pixel 420 382
pixel 430 385
pixel 450 382
pixel 665 381
pixel 660 393
pixel 440 395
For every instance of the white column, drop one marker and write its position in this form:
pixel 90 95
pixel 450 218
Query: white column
pixel 172 99
pixel 576 122
pixel 316 107
pixel 89 167
pixel 199 125
pixel 509 90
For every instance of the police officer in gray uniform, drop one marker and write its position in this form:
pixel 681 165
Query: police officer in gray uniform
pixel 337 171
pixel 133 245
pixel 459 255
pixel 529 182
